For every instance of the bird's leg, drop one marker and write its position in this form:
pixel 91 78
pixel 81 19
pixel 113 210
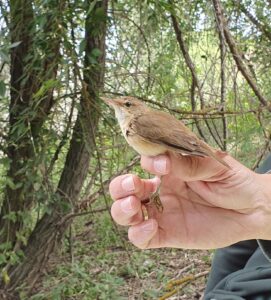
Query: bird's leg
pixel 155 199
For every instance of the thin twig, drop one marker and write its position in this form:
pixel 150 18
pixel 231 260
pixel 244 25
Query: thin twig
pixel 175 286
pixel 236 54
pixel 195 81
pixel 261 155
pixel 222 48
pixel 264 28
pixel 210 111
pixel 147 47
pixel 86 202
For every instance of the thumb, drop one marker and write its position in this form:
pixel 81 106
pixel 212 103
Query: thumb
pixel 189 168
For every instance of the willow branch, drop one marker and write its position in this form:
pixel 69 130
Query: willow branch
pixel 193 104
pixel 237 55
pixel 195 80
pixel 147 47
pixel 190 65
pixel 127 53
pixel 261 27
pixel 187 58
pixel 210 111
pixel 81 208
pixel 261 155
pixel 222 48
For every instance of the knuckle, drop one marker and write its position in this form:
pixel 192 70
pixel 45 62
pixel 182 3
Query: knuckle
pixel 146 162
pixel 114 210
pixel 112 185
pixel 137 183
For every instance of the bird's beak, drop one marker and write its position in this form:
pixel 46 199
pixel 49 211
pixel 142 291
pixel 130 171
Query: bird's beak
pixel 110 102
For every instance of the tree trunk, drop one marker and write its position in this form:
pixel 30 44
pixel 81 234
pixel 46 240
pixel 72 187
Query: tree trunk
pixel 25 122
pixel 20 148
pixel 51 227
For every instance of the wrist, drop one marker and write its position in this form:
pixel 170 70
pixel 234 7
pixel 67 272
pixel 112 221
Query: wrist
pixel 263 202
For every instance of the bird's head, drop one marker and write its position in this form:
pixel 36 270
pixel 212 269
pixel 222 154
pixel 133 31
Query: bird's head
pixel 126 107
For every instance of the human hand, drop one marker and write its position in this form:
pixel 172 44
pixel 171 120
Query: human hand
pixel 205 205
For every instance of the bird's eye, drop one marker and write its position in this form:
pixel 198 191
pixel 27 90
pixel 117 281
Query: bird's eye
pixel 128 104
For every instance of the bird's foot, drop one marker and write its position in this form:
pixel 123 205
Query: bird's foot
pixel 155 199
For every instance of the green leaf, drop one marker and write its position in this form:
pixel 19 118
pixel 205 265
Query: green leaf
pixel 3 259
pixel 96 52
pixel 10 183
pixel 91 7
pixel 42 20
pixel 5 246
pixel 46 86
pixel 13 258
pixel 91 60
pixel 5 276
pixel 21 237
pixel 13 45
pixel 36 186
pixel 82 46
pixel 11 216
pixel 2 88
pixel 4 55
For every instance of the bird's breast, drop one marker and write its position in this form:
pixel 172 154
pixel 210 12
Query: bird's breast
pixel 144 147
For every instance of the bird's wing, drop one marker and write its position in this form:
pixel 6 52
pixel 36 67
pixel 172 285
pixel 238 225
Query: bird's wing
pixel 162 128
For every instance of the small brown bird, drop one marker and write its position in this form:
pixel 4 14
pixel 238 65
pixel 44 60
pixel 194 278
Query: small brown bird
pixel 151 132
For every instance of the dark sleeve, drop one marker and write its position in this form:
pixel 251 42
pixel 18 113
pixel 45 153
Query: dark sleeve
pixel 266 248
pixel 229 260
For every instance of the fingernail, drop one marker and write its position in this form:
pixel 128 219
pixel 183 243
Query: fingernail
pixel 128 184
pixel 160 165
pixel 147 226
pixel 126 205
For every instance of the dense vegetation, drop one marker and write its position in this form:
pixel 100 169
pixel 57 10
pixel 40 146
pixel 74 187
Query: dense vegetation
pixel 206 62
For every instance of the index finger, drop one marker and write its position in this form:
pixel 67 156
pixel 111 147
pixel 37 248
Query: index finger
pixel 129 184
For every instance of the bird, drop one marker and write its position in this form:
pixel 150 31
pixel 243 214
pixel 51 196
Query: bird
pixel 152 132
